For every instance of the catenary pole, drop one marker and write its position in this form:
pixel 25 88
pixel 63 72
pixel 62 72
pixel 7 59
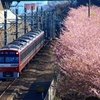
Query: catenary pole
pixel 5 27
pixel 89 8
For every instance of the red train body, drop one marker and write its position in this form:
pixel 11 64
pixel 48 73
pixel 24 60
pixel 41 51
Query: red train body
pixel 15 55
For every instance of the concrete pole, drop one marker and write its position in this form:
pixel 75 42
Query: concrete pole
pixel 24 20
pixel 89 8
pixel 32 19
pixel 5 28
pixel 16 23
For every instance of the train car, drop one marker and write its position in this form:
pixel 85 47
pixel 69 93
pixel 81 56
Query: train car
pixel 15 55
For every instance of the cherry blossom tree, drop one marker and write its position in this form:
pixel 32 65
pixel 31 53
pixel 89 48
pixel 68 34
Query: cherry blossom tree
pixel 78 54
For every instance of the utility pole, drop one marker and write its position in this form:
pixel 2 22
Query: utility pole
pixel 25 20
pixel 16 23
pixel 89 8
pixel 32 19
pixel 5 28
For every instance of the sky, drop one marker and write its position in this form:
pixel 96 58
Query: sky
pixel 21 5
pixel 40 3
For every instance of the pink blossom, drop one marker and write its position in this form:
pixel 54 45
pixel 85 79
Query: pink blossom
pixel 78 50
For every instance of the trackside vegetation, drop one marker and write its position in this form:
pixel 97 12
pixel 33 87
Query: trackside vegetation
pixel 78 55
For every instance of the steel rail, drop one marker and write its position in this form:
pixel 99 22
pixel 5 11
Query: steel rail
pixel 4 91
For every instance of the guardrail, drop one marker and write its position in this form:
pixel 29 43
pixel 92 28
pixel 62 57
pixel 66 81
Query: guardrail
pixel 51 91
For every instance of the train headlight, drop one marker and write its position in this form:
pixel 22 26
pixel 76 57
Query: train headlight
pixel 17 53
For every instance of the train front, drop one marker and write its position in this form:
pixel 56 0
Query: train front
pixel 9 62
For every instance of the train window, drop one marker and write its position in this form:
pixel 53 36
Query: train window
pixel 1 59
pixel 11 59
pixel 1 52
pixel 12 52
pixel 28 51
pixel 6 52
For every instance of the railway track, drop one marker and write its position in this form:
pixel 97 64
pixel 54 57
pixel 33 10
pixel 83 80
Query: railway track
pixel 5 85
pixel 38 72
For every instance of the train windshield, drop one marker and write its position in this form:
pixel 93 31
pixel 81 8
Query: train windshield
pixel 11 59
pixel 8 57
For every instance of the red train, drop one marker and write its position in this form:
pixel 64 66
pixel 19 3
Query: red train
pixel 15 55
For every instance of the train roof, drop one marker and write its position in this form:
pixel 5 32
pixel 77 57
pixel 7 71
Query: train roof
pixel 31 35
pixel 18 43
pixel 11 46
pixel 23 40
pixel 26 37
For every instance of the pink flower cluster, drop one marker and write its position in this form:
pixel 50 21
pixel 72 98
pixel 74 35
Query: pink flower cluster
pixel 78 49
